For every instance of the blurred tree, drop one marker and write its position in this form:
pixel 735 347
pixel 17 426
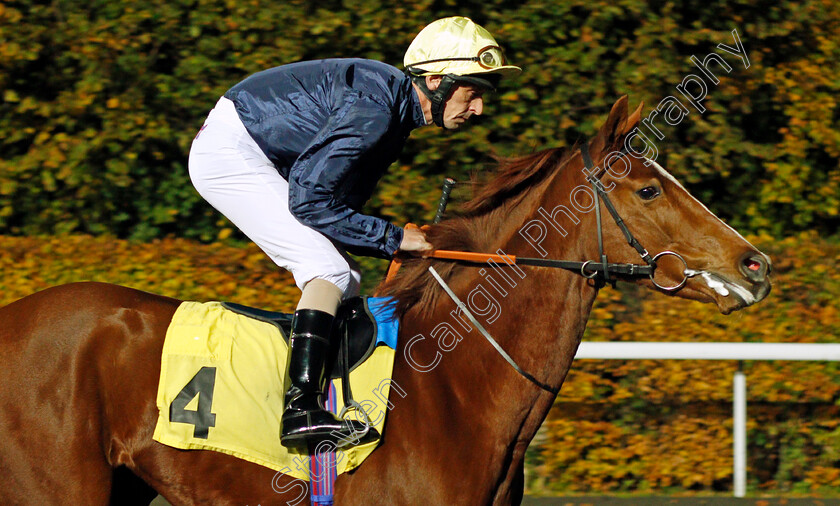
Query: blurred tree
pixel 100 100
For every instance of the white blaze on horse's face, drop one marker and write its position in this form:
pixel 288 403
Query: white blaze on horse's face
pixel 722 266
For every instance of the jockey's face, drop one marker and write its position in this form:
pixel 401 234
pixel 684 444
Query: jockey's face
pixel 467 100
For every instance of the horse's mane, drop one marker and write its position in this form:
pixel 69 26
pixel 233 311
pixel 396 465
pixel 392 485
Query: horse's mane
pixel 476 225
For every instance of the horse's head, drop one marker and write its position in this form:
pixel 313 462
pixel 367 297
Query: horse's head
pixel 720 265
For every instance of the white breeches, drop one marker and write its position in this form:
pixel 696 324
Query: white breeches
pixel 233 174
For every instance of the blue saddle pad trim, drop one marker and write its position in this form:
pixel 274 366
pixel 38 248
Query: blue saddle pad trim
pixel 383 311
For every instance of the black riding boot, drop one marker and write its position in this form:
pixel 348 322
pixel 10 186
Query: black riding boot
pixel 305 421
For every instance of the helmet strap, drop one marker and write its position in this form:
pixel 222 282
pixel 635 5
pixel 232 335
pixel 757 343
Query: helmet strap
pixel 438 97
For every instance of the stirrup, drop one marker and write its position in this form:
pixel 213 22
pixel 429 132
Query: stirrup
pixel 339 433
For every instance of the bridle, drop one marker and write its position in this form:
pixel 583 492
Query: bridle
pixel 601 268
pixel 601 271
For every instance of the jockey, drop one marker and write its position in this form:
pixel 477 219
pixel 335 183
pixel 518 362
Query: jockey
pixel 290 155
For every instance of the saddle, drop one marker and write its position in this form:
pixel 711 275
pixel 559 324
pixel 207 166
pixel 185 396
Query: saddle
pixel 354 328
pixel 232 364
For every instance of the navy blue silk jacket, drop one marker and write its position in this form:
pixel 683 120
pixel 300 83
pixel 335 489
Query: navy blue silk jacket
pixel 332 128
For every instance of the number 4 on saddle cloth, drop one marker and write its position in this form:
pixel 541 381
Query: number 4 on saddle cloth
pixel 222 379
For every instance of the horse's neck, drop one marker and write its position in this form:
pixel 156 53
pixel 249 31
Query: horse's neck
pixel 537 315
pixel 541 319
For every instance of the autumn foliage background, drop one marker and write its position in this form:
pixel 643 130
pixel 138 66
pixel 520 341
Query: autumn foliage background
pixel 100 100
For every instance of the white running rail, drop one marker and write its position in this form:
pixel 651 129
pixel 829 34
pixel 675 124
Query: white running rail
pixel 637 350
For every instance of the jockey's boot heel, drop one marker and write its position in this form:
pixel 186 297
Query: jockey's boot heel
pixel 305 421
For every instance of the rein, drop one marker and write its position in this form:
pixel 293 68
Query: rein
pixel 601 270
pixel 487 335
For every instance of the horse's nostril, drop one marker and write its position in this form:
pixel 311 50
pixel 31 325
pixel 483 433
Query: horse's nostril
pixel 754 267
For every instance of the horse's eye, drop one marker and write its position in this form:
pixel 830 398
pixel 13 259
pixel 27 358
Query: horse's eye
pixel 648 192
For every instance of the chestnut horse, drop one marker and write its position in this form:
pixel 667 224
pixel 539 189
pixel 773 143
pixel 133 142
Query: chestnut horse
pixel 80 362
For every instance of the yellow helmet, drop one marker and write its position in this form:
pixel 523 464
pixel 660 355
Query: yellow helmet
pixel 460 51
pixel 456 46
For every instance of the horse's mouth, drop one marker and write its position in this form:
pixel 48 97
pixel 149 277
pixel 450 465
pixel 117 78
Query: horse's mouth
pixel 729 295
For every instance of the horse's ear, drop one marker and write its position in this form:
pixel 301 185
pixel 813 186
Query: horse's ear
pixel 611 130
pixel 612 133
pixel 633 121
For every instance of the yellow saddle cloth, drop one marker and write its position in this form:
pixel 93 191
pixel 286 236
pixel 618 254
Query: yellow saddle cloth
pixel 222 386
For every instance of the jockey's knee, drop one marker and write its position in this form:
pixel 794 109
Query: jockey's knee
pixel 341 271
pixel 322 295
